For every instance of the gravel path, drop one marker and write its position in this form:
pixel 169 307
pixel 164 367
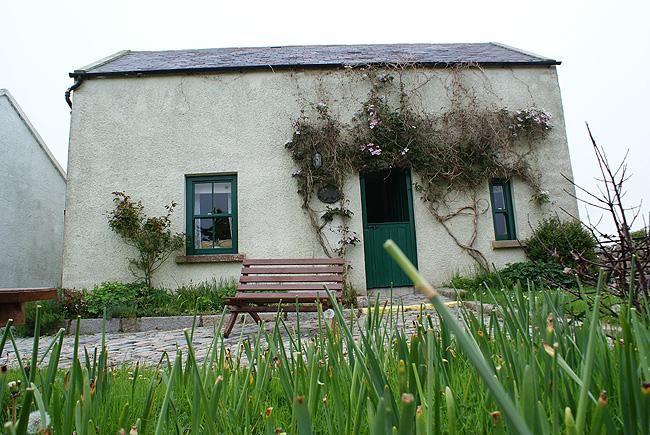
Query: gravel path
pixel 147 347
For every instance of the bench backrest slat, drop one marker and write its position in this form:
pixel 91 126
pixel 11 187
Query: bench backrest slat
pixel 292 275
pixel 291 278
pixel 290 287
pixel 307 270
pixel 296 261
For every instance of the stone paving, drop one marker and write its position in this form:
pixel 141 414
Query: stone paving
pixel 148 347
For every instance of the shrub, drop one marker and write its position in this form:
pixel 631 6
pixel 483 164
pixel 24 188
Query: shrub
pixel 561 242
pixel 52 317
pixel 154 302
pixel 151 236
pixel 476 283
pixel 538 274
pixel 73 303
pixel 114 297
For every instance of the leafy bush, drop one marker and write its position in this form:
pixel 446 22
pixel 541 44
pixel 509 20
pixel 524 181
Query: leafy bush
pixel 151 236
pixel 112 296
pixel 73 303
pixel 476 283
pixel 537 273
pixel 561 242
pixel 52 317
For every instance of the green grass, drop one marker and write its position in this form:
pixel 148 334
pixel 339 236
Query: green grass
pixel 538 375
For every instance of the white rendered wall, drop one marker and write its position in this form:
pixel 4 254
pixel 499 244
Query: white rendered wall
pixel 32 200
pixel 144 135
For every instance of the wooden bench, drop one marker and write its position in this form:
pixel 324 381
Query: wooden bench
pixel 12 301
pixel 284 284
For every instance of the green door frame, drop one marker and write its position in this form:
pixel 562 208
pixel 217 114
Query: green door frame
pixel 409 194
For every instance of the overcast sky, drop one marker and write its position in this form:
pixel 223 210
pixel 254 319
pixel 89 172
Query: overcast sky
pixel 604 47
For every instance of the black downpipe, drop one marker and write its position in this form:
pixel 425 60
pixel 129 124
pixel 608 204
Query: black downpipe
pixel 74 87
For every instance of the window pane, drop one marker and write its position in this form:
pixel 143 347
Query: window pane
pixel 500 225
pixel 204 233
pixel 499 197
pixel 212 198
pixel 203 198
pixel 223 230
pixel 222 198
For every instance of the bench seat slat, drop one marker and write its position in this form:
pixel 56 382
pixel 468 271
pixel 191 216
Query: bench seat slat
pixel 268 297
pixel 27 294
pixel 272 308
pixel 289 287
pixel 291 278
pixel 291 270
pixel 290 262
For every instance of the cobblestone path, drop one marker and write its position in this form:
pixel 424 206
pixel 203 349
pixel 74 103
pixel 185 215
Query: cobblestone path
pixel 147 347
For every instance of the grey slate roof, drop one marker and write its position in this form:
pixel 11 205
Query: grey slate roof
pixel 308 56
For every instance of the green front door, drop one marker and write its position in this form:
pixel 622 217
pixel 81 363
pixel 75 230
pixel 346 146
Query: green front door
pixel 387 203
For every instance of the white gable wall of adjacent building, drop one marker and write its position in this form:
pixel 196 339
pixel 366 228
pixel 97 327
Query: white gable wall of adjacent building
pixel 32 201
pixel 144 135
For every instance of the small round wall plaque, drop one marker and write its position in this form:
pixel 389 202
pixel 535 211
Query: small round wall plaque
pixel 328 194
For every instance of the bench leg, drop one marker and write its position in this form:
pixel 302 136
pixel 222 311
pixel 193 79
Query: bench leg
pixel 255 316
pixel 12 310
pixel 230 324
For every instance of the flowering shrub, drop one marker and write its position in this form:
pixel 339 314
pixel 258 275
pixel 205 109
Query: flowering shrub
pixel 531 121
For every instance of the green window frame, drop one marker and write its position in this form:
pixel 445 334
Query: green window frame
pixel 208 225
pixel 503 215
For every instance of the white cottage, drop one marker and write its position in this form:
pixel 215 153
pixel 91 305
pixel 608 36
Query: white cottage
pixel 210 129
pixel 32 201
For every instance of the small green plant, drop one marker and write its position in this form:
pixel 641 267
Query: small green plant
pixel 52 317
pixel 152 237
pixel 477 282
pixel 113 297
pixel 204 297
pixel 537 273
pixel 561 242
pixel 350 296
pixel 73 302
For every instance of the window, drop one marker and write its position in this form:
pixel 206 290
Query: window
pixel 502 211
pixel 211 214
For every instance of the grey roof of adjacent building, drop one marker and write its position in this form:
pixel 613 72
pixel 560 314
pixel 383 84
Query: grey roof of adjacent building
pixel 308 56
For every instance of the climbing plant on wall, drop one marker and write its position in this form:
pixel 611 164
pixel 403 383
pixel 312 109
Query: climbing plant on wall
pixel 454 153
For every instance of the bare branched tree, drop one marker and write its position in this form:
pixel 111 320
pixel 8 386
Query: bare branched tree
pixel 623 258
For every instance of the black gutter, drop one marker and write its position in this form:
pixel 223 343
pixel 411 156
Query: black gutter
pixel 79 78
pixel 87 74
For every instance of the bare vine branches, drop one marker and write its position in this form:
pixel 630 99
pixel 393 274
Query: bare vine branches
pixel 457 150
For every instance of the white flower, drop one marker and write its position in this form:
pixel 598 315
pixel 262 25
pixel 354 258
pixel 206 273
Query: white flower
pixel 328 313
pixel 34 423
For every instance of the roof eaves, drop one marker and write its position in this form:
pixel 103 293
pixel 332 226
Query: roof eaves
pixel 32 130
pixel 528 53
pixel 88 74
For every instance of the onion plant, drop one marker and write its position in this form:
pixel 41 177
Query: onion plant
pixel 528 367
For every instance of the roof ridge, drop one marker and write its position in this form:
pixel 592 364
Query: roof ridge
pixel 32 130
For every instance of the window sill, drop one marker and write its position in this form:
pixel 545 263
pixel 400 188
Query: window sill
pixel 220 258
pixel 507 244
